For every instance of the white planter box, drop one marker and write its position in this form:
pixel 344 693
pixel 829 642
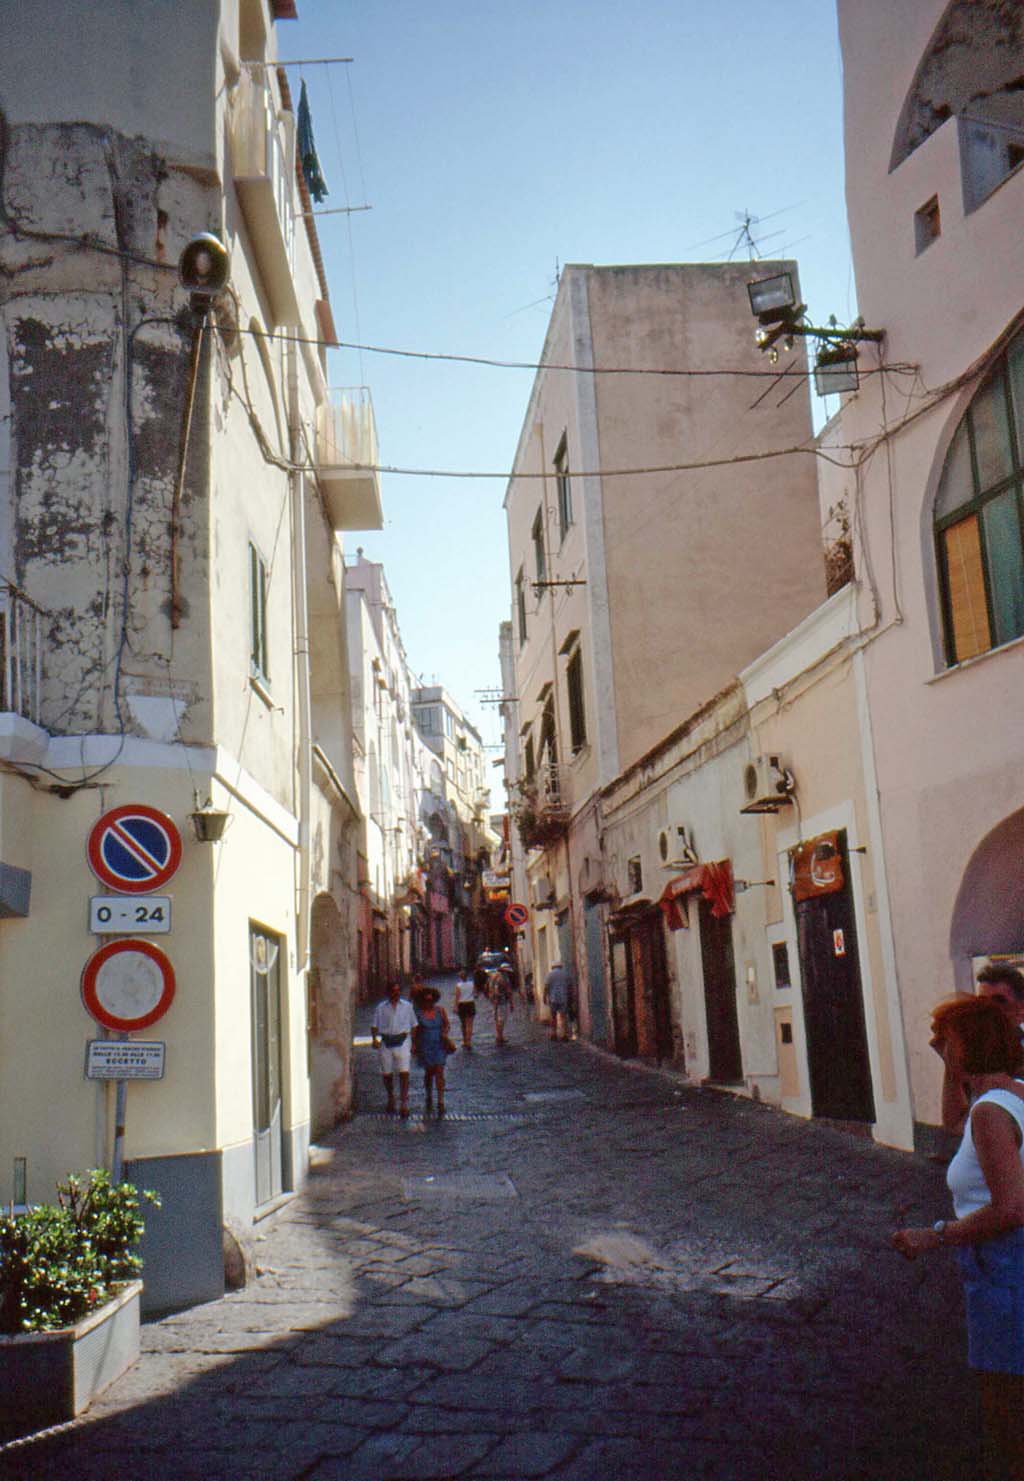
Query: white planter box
pixel 49 1377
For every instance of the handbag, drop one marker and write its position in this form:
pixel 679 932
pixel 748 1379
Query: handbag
pixel 448 1044
pixel 392 1041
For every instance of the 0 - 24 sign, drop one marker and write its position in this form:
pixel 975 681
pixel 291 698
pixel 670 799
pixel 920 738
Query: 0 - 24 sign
pixel 119 915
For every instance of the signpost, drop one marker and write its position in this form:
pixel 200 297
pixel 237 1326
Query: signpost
pixel 127 984
pixel 134 849
pixel 124 1059
pixel 116 915
pixel 517 915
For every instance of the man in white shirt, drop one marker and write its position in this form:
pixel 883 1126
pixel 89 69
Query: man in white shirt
pixel 393 1022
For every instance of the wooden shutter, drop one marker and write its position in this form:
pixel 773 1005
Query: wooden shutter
pixel 968 610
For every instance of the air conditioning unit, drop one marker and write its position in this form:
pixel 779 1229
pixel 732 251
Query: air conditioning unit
pixel 543 893
pixel 767 785
pixel 675 847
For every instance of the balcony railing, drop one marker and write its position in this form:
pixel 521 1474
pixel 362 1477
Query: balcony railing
pixel 545 806
pixel 346 458
pixel 263 162
pixel 21 653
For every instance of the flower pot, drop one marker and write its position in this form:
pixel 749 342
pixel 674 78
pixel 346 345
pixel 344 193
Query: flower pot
pixel 49 1377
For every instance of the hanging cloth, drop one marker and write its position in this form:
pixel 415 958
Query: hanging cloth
pixel 307 151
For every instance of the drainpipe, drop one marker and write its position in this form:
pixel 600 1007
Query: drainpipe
pixel 303 705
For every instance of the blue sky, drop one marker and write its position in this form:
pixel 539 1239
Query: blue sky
pixel 493 141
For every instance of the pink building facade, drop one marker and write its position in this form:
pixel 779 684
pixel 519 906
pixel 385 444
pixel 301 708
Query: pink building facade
pixel 935 195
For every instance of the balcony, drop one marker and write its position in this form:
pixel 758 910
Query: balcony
pixel 21 653
pixel 346 460
pixel 544 807
pixel 263 163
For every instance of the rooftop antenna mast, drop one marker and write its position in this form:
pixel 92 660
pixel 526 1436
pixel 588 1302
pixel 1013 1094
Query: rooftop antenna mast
pixel 745 236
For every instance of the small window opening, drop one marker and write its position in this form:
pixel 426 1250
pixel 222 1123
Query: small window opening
pixel 927 225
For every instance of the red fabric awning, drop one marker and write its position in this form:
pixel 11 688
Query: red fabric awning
pixel 713 881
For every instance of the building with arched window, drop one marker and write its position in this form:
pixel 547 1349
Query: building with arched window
pixel 934 123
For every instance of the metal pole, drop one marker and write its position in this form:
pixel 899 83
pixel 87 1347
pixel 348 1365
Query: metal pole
pixel 120 1108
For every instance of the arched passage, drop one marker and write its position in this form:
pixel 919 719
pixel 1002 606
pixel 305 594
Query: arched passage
pixel 988 916
pixel 330 1018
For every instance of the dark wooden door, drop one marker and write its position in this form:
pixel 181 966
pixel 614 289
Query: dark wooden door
pixel 622 997
pixel 653 1015
pixel 724 1055
pixel 837 1045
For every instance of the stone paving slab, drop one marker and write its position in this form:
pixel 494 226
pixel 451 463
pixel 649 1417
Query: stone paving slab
pixel 670 1283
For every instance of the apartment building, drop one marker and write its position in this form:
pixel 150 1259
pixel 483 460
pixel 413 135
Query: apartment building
pixel 172 626
pixel 651 557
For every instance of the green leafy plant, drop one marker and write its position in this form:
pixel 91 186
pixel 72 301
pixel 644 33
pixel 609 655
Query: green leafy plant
pixel 60 1261
pixel 540 825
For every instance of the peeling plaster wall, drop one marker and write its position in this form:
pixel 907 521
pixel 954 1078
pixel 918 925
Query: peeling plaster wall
pixel 96 396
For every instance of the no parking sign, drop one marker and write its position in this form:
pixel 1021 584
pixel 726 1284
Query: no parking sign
pixel 134 849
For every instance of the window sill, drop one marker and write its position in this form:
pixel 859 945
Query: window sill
pixel 968 663
pixel 259 687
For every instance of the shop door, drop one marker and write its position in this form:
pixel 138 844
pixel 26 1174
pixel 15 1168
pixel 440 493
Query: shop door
pixel 837 1045
pixel 622 997
pixel 650 994
pixel 267 1121
pixel 725 1061
pixel 595 972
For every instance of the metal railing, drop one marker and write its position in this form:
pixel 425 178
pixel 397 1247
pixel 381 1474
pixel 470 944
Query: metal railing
pixel 554 787
pixel 263 144
pixel 347 429
pixel 21 653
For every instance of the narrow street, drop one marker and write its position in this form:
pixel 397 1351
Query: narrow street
pixel 584 1272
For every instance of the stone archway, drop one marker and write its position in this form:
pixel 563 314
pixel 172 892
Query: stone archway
pixel 988 915
pixel 330 1018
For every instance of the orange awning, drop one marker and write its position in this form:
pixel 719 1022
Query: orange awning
pixel 713 881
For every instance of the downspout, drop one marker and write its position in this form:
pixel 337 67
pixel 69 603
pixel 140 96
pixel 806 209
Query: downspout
pixel 303 705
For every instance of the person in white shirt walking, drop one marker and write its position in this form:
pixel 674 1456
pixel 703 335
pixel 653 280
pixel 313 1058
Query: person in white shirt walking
pixel 465 1005
pixel 393 1022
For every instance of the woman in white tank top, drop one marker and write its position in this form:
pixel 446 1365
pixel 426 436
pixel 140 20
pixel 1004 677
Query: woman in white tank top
pixel 986 1178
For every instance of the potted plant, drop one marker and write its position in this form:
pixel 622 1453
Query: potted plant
pixel 69 1298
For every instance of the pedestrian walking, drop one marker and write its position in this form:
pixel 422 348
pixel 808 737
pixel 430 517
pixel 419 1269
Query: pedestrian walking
pixel 981 1047
pixel 432 1043
pixel 465 1005
pixel 558 996
pixel 391 1031
pixel 501 991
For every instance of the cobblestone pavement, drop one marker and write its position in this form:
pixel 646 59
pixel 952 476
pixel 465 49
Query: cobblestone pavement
pixel 586 1271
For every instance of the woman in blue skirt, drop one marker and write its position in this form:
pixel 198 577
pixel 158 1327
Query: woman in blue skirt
pixel 980 1046
pixel 432 1044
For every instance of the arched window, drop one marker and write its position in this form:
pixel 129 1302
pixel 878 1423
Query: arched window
pixel 979 516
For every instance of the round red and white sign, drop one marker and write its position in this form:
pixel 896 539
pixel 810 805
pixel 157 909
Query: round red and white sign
pixel 128 984
pixel 517 915
pixel 134 849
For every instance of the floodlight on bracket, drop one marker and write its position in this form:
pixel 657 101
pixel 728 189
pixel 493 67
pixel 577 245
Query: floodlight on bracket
pixel 780 317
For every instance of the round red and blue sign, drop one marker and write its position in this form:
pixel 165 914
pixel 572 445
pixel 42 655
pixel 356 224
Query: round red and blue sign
pixel 134 849
pixel 517 915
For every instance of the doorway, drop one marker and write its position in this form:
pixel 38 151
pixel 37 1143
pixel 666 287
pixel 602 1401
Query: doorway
pixel 725 1059
pixel 837 1046
pixel 594 930
pixel 267 1117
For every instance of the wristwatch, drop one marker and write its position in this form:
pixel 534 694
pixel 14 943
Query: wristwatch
pixel 940 1226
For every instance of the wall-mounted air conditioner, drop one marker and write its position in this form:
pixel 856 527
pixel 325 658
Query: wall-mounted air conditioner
pixel 675 847
pixel 543 892
pixel 767 785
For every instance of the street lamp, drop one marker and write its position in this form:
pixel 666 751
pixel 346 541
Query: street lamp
pixel 779 316
pixel 772 299
pixel 835 369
